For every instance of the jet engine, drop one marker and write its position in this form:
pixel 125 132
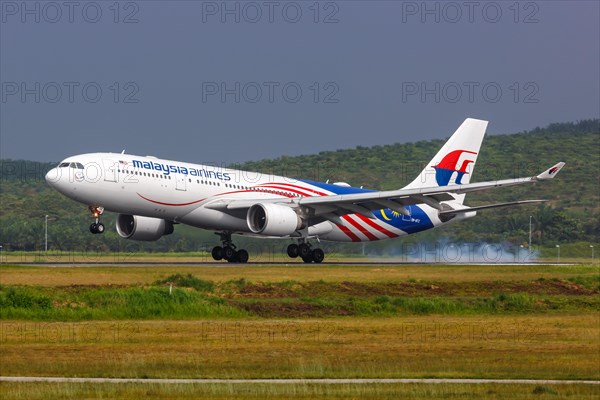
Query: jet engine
pixel 142 228
pixel 273 219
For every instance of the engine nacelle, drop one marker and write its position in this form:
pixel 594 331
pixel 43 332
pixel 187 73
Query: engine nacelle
pixel 273 219
pixel 142 228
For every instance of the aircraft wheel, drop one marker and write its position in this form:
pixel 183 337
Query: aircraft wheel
pixel 292 250
pixel 303 250
pixel 97 228
pixel 308 259
pixel 233 258
pixel 228 253
pixel 242 256
pixel 217 253
pixel 318 255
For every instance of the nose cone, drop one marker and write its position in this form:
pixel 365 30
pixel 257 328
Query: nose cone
pixel 53 177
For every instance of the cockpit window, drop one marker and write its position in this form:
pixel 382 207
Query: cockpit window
pixel 64 164
pixel 76 165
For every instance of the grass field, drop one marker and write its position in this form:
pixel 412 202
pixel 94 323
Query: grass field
pixel 127 275
pixel 297 391
pixel 538 347
pixel 277 321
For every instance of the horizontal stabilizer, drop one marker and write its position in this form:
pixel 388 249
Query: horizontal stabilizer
pixel 466 210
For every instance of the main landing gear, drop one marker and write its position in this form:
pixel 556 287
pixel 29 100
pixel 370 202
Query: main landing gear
pixel 305 252
pixel 228 250
pixel 96 227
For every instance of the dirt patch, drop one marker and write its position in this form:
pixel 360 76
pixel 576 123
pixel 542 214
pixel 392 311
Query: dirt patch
pixel 261 290
pixel 289 310
pixel 560 287
pixel 409 289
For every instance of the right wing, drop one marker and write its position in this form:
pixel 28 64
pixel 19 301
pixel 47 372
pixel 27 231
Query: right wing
pixel 332 206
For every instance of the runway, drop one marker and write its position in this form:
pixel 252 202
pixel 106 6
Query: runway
pixel 272 263
pixel 53 379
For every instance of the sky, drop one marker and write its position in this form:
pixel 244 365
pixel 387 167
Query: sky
pixel 232 81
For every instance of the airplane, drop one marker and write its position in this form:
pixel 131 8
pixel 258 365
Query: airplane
pixel 151 195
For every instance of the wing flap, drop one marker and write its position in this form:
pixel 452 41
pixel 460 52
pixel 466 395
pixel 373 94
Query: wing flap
pixel 478 208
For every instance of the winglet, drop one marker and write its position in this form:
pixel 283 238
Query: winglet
pixel 550 172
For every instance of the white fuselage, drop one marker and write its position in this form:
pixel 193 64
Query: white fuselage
pixel 183 193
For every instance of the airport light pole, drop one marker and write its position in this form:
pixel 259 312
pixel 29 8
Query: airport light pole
pixel 530 233
pixel 46 233
pixel 591 247
pixel 1 255
pixel 557 253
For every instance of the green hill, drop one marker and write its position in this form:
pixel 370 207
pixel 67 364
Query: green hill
pixel 571 215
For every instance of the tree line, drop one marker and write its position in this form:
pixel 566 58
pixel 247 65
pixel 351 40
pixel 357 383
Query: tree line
pixel 572 213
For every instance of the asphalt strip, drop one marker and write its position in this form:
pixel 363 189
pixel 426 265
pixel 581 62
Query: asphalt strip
pixel 54 379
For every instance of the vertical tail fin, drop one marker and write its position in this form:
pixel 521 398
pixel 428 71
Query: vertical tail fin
pixel 455 162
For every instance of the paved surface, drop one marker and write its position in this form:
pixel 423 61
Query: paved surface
pixel 295 381
pixel 267 263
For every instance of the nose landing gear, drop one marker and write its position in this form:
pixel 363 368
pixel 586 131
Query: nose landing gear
pixel 96 227
pixel 305 252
